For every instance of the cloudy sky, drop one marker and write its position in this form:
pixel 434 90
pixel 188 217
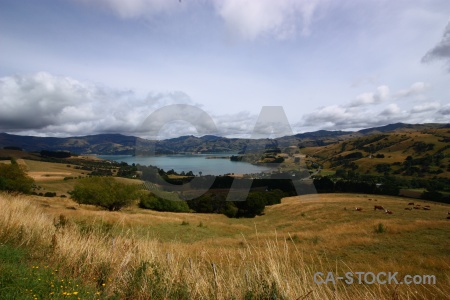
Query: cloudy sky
pixel 78 67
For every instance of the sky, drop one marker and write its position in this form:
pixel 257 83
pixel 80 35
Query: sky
pixel 81 67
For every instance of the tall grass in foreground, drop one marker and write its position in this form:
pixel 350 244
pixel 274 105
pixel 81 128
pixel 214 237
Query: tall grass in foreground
pixel 132 267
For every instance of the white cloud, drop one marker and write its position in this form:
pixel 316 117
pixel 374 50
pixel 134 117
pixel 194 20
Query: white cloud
pixel 425 107
pixel 415 89
pixel 136 8
pixel 245 19
pixel 44 104
pixel 63 106
pixel 366 111
pixel 334 116
pixel 38 100
pixel 240 124
pixel 382 94
pixel 281 19
pixel 391 110
pixel 337 117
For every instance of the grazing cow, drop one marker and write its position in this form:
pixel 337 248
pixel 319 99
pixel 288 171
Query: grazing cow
pixel 426 208
pixel 388 212
pixel 411 203
pixel 448 218
pixel 370 199
pixel 358 208
pixel 416 207
pixel 448 213
pixel 408 208
pixel 375 207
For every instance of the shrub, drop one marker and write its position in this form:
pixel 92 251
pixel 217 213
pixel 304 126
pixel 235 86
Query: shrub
pixel 380 228
pixel 230 210
pixel 12 148
pixel 104 192
pixel 13 178
pixel 55 154
pixel 354 155
pixel 432 195
pixel 250 208
pixel 382 168
pixel 152 201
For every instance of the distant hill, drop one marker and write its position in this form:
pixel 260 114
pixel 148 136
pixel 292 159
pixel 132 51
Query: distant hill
pixel 122 144
pixel 6 154
pixel 399 149
pixel 101 143
pixel 400 127
pixel 322 134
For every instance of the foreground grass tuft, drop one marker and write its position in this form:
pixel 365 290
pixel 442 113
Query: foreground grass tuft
pixel 21 280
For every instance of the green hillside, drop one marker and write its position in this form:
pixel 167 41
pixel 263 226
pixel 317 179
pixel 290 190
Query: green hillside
pixel 424 153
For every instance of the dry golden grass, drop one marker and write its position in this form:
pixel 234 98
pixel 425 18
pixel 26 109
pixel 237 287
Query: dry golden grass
pixel 149 255
pixel 48 176
pixel 87 157
pixel 42 167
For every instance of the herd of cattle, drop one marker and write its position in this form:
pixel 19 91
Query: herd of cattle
pixel 411 206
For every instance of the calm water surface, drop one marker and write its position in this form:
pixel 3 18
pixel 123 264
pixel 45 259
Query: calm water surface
pixel 195 163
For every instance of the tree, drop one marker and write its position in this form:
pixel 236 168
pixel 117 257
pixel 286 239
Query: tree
pixel 152 201
pixel 104 192
pixel 55 154
pixel 14 178
pixel 250 208
pixel 432 195
pixel 341 173
pixel 324 185
pixel 383 168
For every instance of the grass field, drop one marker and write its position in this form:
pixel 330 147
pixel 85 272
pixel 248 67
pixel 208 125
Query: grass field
pixel 143 254
pixel 61 170
pixel 57 177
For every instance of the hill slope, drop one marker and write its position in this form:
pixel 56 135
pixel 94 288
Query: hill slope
pixel 408 152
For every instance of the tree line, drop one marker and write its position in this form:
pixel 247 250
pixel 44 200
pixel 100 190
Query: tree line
pixel 436 189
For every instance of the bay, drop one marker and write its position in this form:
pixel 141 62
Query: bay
pixel 205 163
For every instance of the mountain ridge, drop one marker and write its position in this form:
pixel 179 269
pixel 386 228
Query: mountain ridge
pixel 116 143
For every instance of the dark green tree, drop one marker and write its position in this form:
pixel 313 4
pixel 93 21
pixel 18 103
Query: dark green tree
pixel 152 201
pixel 324 185
pixel 250 208
pixel 14 178
pixel 104 192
